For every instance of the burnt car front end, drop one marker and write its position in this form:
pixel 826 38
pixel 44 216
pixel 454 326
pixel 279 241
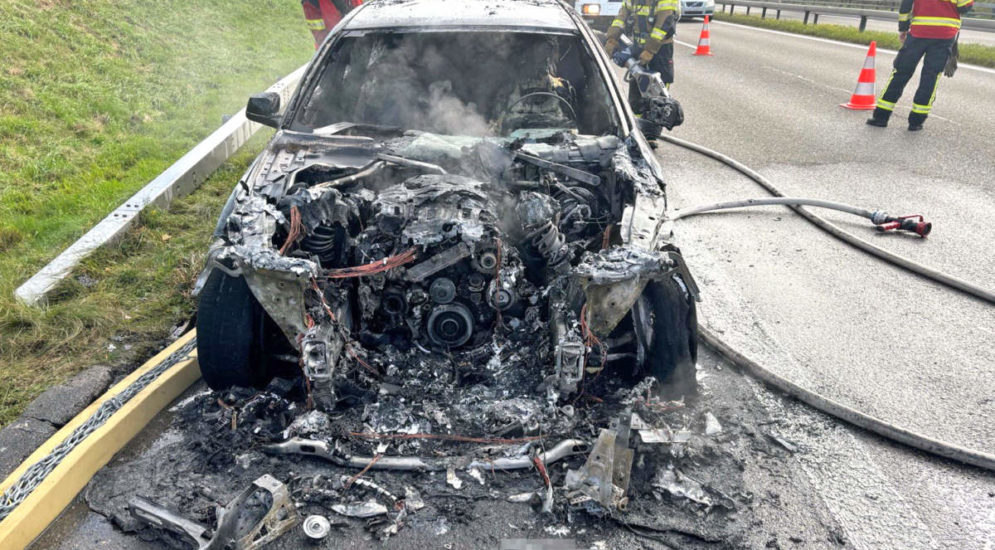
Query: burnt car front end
pixel 498 233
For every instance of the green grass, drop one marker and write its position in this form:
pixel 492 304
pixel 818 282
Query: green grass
pixel 976 54
pixel 96 98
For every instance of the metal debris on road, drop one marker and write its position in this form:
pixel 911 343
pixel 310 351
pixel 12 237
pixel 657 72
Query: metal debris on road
pixel 316 527
pixel 280 516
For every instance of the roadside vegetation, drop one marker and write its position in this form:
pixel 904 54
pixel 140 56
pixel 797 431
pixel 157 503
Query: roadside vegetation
pixel 976 54
pixel 96 98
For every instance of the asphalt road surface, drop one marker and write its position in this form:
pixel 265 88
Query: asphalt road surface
pixel 807 306
pixel 966 36
pixel 828 316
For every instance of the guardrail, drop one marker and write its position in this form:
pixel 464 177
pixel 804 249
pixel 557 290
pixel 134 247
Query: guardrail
pixel 969 23
pixel 185 175
pixel 981 10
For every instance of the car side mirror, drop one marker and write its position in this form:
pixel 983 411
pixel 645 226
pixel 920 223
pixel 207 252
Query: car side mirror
pixel 264 108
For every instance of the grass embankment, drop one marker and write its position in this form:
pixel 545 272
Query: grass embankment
pixel 976 54
pixel 96 98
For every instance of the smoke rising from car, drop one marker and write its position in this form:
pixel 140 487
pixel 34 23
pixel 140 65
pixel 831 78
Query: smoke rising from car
pixel 446 83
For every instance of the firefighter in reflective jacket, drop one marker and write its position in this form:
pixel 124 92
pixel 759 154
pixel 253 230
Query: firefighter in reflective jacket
pixel 928 29
pixel 652 24
pixel 322 15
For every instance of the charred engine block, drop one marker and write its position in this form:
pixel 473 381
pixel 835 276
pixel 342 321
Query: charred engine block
pixel 443 265
pixel 464 278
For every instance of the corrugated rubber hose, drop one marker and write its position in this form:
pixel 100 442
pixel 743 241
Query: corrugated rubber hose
pixel 870 423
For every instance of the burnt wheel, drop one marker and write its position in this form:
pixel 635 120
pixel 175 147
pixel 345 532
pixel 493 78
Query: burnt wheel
pixel 231 332
pixel 671 341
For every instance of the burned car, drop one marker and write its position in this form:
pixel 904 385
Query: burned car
pixel 457 199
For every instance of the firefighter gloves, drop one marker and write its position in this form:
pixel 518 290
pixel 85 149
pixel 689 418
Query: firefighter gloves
pixel 611 45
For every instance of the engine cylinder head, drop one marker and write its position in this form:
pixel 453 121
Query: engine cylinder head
pixel 450 325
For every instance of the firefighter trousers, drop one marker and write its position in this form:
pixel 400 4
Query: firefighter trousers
pixel 934 53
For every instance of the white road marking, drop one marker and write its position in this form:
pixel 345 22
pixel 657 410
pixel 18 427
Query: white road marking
pixel 837 42
pixel 834 88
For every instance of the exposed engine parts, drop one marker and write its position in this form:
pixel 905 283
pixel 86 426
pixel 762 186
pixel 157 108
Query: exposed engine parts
pixel 448 251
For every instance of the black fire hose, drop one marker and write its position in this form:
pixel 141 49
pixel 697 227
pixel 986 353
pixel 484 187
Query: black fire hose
pixel 874 250
pixel 819 402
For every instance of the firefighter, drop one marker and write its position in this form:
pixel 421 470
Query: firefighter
pixel 322 15
pixel 928 30
pixel 652 24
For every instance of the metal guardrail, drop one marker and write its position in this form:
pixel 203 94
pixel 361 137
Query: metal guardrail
pixel 969 23
pixel 981 10
pixel 185 175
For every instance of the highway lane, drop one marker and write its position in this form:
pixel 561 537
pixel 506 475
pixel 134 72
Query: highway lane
pixel 966 36
pixel 828 316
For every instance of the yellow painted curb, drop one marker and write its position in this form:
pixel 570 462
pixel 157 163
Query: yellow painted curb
pixel 47 501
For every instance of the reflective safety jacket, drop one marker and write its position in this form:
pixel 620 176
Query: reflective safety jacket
pixel 932 18
pixel 322 15
pixel 651 23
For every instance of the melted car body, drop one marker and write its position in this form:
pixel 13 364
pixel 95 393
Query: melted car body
pixel 457 198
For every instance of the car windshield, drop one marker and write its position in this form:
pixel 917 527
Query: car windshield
pixel 460 83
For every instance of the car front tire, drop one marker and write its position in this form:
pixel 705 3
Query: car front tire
pixel 672 351
pixel 230 324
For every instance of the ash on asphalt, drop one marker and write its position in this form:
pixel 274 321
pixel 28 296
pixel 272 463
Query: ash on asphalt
pixel 738 487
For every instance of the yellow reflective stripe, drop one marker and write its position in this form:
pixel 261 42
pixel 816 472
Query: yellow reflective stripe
pixel 920 109
pixel 643 10
pixel 315 24
pixel 664 5
pixel 886 105
pixel 936 86
pixel 658 34
pixel 963 3
pixel 936 21
pixel 904 17
pixel 618 23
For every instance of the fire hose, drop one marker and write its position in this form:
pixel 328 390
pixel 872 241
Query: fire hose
pixel 882 221
pixel 819 402
pixel 820 222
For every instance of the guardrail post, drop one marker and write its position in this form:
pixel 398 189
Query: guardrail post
pixel 815 20
pixel 747 10
pixel 778 14
pixel 732 8
pixel 763 12
pixel 863 23
pixel 805 21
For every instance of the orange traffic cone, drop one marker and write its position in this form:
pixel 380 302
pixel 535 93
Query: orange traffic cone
pixel 863 96
pixel 703 47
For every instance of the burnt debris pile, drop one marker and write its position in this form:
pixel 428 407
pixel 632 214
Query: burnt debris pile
pixel 403 468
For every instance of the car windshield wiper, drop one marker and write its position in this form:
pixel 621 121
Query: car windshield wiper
pixel 339 127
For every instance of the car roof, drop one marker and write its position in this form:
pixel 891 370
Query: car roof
pixel 455 14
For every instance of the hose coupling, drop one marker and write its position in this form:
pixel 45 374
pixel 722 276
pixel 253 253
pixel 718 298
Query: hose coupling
pixel 914 223
pixel 879 217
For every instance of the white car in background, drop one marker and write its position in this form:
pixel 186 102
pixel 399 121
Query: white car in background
pixel 697 8
pixel 600 13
